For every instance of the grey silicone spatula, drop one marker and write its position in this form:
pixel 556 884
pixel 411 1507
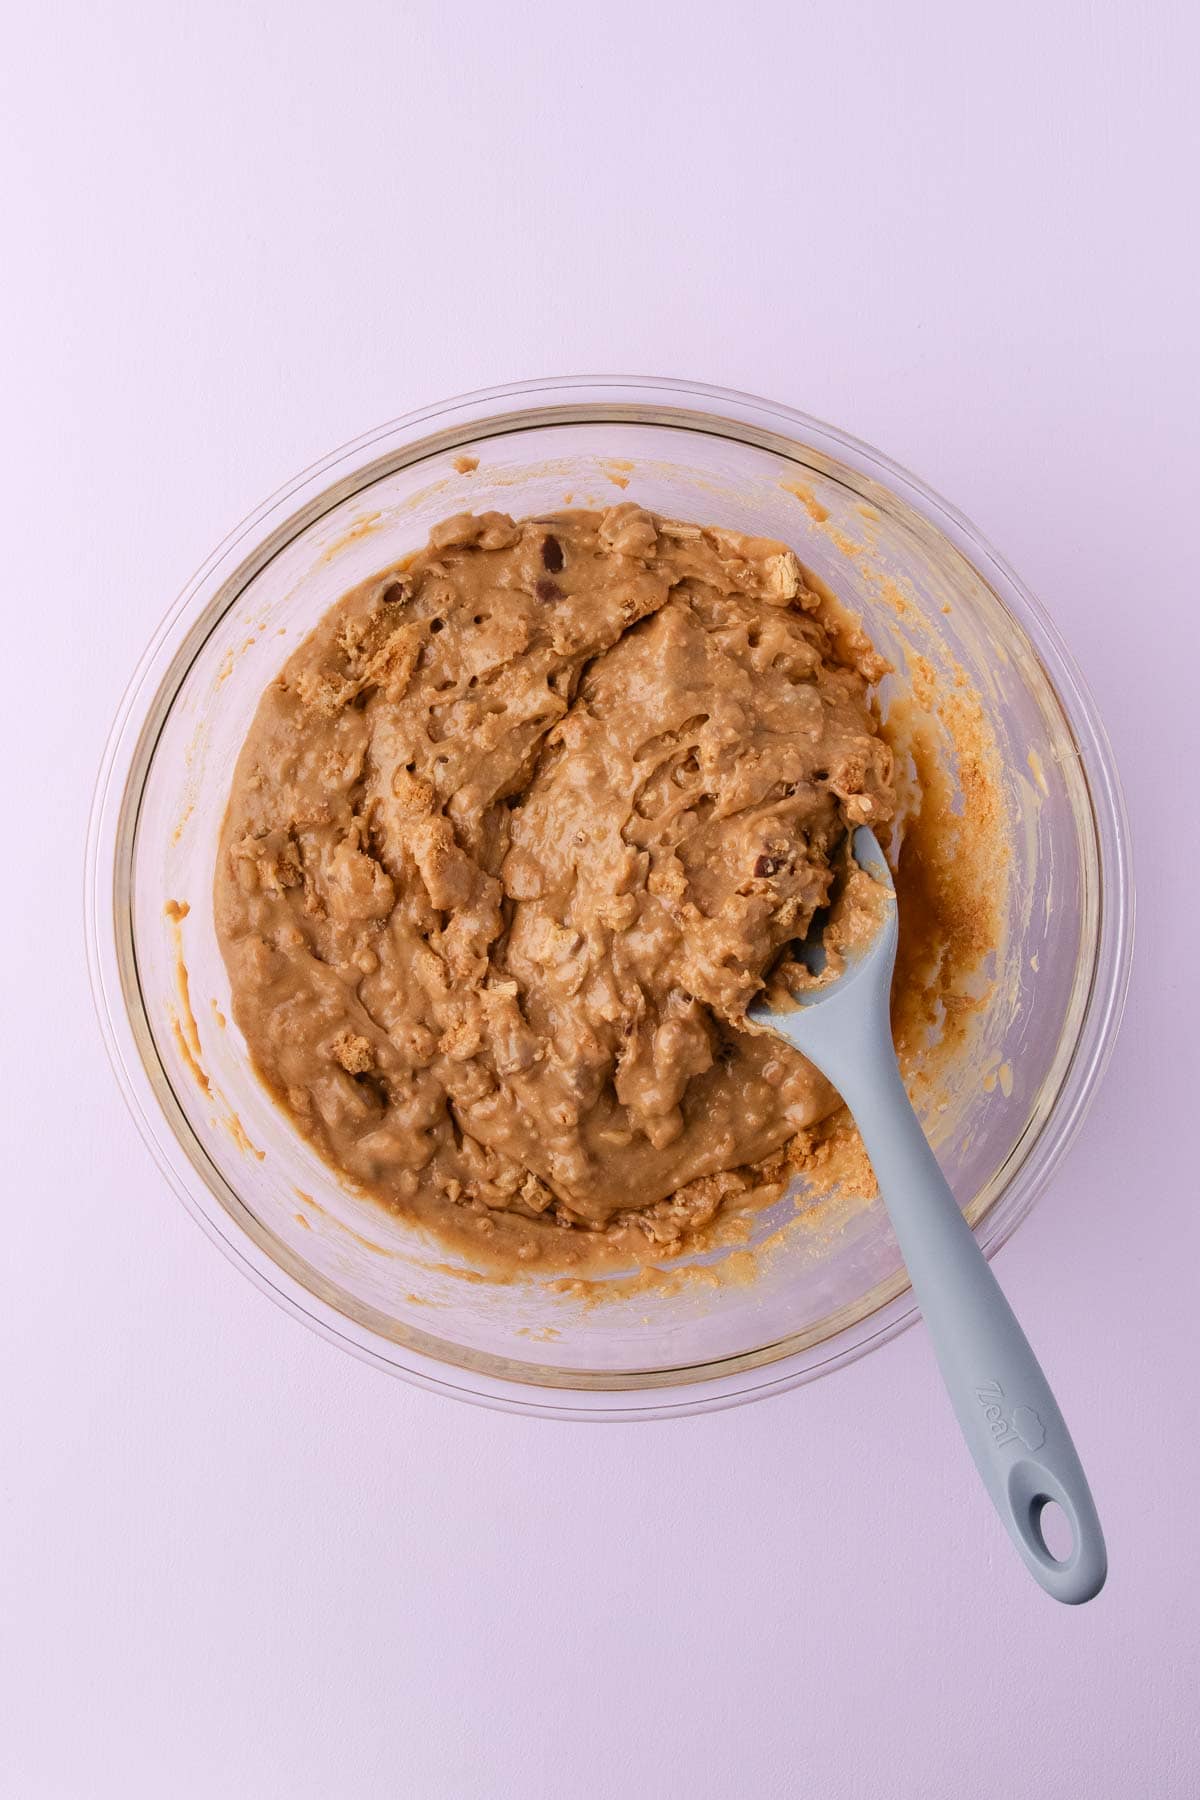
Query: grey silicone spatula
pixel 1008 1415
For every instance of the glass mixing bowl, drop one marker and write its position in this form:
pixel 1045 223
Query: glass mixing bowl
pixel 362 1277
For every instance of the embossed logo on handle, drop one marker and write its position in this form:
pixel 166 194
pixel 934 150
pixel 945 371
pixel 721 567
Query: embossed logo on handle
pixel 1021 1425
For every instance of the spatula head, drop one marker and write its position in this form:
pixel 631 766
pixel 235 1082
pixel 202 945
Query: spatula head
pixel 851 945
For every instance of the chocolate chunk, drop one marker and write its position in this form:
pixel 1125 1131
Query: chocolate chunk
pixel 552 554
pixel 374 1085
pixel 770 865
pixel 547 591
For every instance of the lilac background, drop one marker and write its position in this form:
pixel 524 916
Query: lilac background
pixel 235 1561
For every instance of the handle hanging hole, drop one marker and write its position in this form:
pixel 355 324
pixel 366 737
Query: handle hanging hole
pixel 1052 1528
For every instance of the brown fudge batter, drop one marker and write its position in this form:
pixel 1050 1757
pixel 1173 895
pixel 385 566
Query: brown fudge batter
pixel 514 839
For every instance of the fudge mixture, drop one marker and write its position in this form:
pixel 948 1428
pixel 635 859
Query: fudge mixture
pixel 517 833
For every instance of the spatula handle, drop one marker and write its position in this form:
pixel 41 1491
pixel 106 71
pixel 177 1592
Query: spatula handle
pixel 1008 1415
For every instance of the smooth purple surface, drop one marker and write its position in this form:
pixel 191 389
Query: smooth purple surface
pixel 236 1562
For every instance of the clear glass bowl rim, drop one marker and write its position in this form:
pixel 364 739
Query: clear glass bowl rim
pixel 461 422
